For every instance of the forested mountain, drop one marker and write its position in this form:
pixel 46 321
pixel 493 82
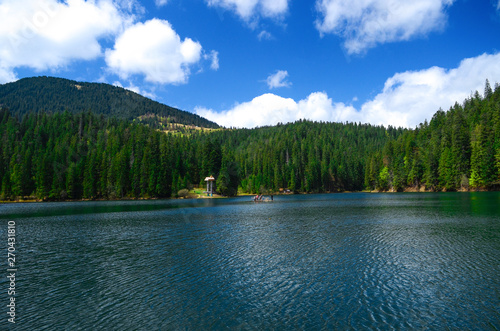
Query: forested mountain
pixel 458 150
pixel 304 156
pixel 64 155
pixel 85 155
pixel 51 94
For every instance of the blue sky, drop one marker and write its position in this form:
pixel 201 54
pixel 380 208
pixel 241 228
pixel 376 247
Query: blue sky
pixel 248 63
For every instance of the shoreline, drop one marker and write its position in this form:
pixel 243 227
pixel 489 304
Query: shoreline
pixel 218 196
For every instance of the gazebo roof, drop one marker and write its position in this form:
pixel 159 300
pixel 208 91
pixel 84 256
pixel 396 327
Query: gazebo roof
pixel 209 179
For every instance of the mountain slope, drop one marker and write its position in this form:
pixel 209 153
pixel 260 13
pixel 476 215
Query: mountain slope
pixel 58 94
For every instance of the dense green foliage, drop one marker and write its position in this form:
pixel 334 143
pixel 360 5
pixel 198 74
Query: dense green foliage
pixel 73 156
pixel 57 95
pixel 54 156
pixel 304 156
pixel 458 150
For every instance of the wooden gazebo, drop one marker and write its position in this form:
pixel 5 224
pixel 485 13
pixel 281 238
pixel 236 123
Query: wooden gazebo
pixel 210 180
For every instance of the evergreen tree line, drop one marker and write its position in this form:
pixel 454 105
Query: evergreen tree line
pixel 54 156
pixel 74 156
pixel 304 156
pixel 458 150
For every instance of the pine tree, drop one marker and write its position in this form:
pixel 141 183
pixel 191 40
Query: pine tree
pixel 482 158
pixel 43 177
pixel 460 147
pixel 6 192
pixel 89 178
pixel 488 92
pixel 72 182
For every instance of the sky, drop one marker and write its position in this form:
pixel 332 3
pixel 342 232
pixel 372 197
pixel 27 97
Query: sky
pixel 250 63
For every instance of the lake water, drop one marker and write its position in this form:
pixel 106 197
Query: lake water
pixel 338 261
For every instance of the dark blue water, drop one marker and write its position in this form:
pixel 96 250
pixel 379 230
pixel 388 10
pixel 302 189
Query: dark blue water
pixel 346 261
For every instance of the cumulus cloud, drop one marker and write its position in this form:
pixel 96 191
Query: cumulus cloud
pixel 365 23
pixel 278 79
pixel 250 9
pixel 270 109
pixel 213 57
pixel 155 50
pixel 50 35
pixel 264 35
pixel 407 99
pixel 410 97
pixel 160 3
pixel 59 32
pixel 7 75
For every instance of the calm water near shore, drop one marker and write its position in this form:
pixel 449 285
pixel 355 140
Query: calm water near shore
pixel 332 261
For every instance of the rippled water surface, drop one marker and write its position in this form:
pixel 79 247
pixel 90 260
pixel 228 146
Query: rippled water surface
pixel 346 261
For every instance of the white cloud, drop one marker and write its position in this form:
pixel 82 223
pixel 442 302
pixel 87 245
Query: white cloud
pixel 160 3
pixel 365 23
pixel 155 50
pixel 269 109
pixel 498 5
pixel 272 8
pixel 250 9
pixel 264 35
pixel 134 7
pixel 136 89
pixel 213 56
pixel 278 79
pixel 410 97
pixel 407 99
pixel 7 75
pixel 47 34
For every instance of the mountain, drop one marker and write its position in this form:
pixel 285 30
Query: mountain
pixel 57 156
pixel 73 156
pixel 457 150
pixel 57 95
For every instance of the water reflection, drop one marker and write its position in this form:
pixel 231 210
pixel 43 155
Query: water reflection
pixel 342 261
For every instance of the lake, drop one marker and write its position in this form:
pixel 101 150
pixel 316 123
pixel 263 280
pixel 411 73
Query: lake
pixel 329 261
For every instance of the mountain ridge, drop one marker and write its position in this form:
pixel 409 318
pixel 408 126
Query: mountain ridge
pixel 52 94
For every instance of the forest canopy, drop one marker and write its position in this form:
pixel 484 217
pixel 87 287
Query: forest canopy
pixel 64 155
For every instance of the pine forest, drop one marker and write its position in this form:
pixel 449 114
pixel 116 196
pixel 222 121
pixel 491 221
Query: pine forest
pixel 48 155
